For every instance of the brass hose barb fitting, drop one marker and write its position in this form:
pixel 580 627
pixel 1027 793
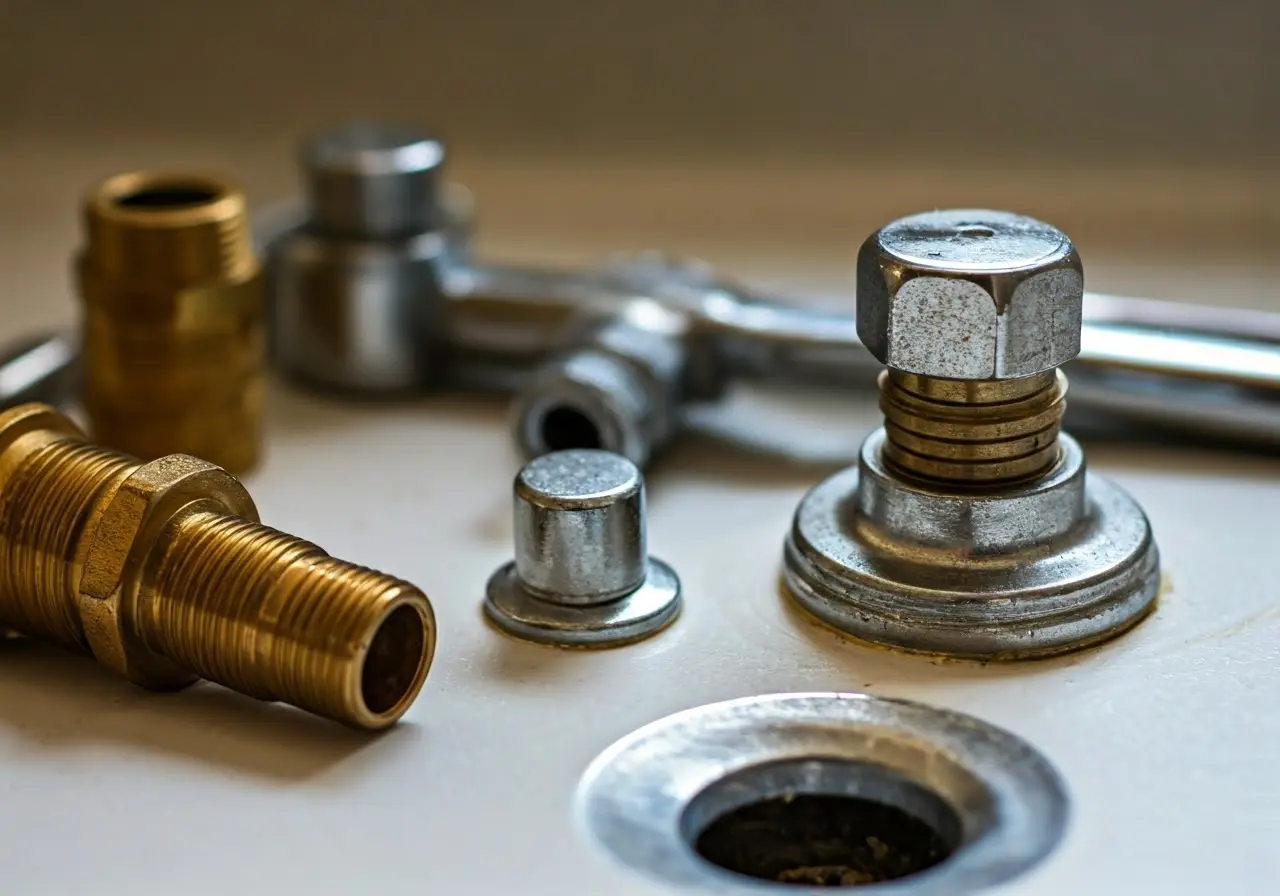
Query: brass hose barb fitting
pixel 162 572
pixel 173 325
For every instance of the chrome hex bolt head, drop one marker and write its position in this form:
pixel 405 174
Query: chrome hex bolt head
pixel 970 527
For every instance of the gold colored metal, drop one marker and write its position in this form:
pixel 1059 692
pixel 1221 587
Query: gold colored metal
pixel 163 573
pixel 173 319
pixel 972 432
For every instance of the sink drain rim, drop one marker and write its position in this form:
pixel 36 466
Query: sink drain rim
pixel 1010 801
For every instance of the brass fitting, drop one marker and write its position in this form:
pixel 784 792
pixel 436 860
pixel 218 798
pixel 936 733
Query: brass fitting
pixel 163 573
pixel 173 326
pixel 972 432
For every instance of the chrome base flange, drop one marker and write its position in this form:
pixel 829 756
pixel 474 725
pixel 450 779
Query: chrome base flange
pixel 512 608
pixel 1048 568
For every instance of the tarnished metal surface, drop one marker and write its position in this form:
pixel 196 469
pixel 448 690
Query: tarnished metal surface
pixel 969 526
pixel 970 294
pixel 1033 571
pixel 647 797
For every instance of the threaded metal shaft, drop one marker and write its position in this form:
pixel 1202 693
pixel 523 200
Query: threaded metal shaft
pixel 958 432
pixel 276 617
pixel 45 500
pixel 214 594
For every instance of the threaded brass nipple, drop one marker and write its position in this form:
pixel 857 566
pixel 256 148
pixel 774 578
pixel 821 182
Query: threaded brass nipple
pixel 173 327
pixel 163 573
pixel 972 432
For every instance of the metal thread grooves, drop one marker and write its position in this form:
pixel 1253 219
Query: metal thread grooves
pixel 44 504
pixel 168 230
pixel 988 432
pixel 101 553
pixel 274 616
pixel 173 328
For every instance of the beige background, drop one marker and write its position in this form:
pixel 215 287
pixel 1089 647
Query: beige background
pixel 767 136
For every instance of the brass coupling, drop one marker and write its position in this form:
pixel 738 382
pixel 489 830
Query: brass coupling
pixel 173 324
pixel 162 572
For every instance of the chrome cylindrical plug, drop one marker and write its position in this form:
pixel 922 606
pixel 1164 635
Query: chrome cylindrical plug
pixel 356 292
pixel 581 576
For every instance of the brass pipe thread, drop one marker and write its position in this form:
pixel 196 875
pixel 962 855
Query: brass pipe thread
pixel 173 324
pixel 163 573
pixel 972 433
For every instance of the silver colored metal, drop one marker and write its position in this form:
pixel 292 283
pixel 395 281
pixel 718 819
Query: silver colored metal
pixel 370 181
pixel 353 316
pixel 932 563
pixel 582 575
pixel 990 795
pixel 374 291
pixel 43 368
pixel 1066 562
pixel 621 387
pixel 970 294
pixel 356 297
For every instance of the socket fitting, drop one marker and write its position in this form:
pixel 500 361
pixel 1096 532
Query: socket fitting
pixel 970 526
pixel 621 387
pixel 173 327
pixel 581 576
pixel 162 572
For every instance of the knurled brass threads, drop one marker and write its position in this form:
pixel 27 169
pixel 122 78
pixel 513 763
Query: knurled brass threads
pixel 173 319
pixel 162 572
pixel 972 432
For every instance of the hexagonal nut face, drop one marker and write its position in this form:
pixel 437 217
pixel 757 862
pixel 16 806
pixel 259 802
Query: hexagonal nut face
pixel 970 294
pixel 119 545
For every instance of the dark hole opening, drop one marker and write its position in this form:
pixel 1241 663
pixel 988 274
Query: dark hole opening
pixel 564 427
pixel 162 197
pixel 819 840
pixel 821 823
pixel 391 665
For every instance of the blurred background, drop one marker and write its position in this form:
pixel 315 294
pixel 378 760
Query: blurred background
pixel 769 137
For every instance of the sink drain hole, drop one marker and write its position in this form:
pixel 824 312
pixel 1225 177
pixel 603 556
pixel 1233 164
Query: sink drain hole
pixel 821 822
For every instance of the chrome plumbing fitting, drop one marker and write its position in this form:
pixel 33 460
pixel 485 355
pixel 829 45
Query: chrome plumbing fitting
pixel 970 526
pixel 582 576
pixel 374 291
pixel 356 289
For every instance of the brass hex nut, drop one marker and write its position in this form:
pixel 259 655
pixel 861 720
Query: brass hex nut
pixel 119 545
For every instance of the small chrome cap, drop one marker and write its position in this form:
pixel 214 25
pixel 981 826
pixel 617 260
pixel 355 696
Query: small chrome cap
pixel 581 575
pixel 579 526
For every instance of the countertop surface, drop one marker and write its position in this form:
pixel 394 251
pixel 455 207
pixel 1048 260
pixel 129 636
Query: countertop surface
pixel 1166 738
